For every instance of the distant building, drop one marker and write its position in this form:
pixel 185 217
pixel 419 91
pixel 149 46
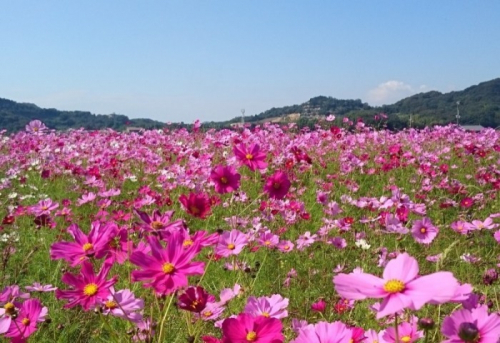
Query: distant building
pixel 133 129
pixel 472 127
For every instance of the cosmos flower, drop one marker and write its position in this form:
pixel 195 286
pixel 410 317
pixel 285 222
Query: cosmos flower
pixel 225 178
pixel 196 204
pixel 273 306
pixel 231 243
pixel 24 325
pixel 423 231
pixel 251 156
pixel 401 287
pixel 324 332
pixel 88 289
pixel 247 328
pixel 277 185
pixel 474 325
pixel 166 269
pixel 93 245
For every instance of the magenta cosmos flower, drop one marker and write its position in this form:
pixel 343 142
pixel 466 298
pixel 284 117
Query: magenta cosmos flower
pixel 89 289
pixel 407 332
pixel 277 185
pixel 400 287
pixel 96 244
pixel 24 325
pixel 196 204
pixel 166 269
pixel 475 326
pixel 231 243
pixel 424 231
pixel 251 157
pixel 36 127
pixel 158 223
pixel 324 332
pixel 246 328
pixel 226 179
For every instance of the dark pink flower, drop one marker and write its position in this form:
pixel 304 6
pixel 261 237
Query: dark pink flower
pixel 246 328
pixel 166 269
pixel 196 204
pixel 277 185
pixel 251 157
pixel 95 245
pixel 194 299
pixel 24 325
pixel 88 290
pixel 226 179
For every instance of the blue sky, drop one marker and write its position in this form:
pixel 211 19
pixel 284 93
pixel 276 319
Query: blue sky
pixel 185 60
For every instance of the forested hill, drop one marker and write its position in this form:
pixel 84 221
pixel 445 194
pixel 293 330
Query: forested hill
pixel 479 104
pixel 14 116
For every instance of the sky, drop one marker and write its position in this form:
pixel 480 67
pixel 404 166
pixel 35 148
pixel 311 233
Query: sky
pixel 185 60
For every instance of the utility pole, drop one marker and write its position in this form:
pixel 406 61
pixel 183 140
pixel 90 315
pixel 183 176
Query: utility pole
pixel 242 117
pixel 458 112
pixel 411 120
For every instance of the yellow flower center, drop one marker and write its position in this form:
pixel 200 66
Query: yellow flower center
pixel 423 230
pixel 90 289
pixel 26 321
pixel 267 243
pixel 110 304
pixel 265 314
pixel 249 157
pixel 45 208
pixel 223 180
pixel 251 336
pixel 168 268
pixel 194 209
pixel 187 243
pixel 194 304
pixel 207 313
pixel 405 339
pixel 231 246
pixel 286 247
pixel 10 308
pixel 87 246
pixel 394 286
pixel 156 225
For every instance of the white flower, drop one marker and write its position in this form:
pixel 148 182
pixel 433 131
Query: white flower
pixel 361 243
pixel 13 195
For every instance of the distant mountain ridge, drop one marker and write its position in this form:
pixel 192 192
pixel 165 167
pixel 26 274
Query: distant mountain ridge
pixel 14 116
pixel 478 104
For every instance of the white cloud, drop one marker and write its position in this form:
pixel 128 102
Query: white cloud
pixel 391 91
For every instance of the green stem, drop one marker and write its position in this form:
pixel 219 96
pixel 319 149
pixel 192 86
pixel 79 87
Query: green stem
pixel 396 329
pixel 160 338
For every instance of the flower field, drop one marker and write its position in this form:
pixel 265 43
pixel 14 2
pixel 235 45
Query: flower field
pixel 342 234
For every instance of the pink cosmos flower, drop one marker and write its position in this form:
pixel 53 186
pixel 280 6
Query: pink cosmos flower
pixel 324 332
pixel 277 185
pixel 88 290
pixel 231 243
pixel 487 224
pixel 37 287
pixel 166 269
pixel 95 245
pixel 226 179
pixel 268 239
pixel 373 336
pixel 318 306
pixel 158 223
pixel 461 227
pixel 407 332
pixel 36 127
pixel 87 197
pixel 123 304
pixel 400 287
pixel 474 325
pixel 285 246
pixel 251 157
pixel 273 306
pixel 44 207
pixel 247 328
pixel 24 325
pixel 423 231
